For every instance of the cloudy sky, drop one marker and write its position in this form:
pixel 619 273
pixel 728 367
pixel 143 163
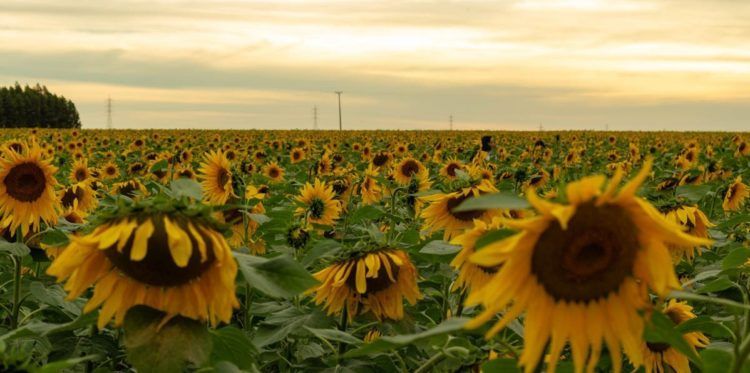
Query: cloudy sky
pixel 562 64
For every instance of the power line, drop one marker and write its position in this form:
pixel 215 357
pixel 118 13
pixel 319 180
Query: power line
pixel 451 119
pixel 339 94
pixel 109 112
pixel 315 117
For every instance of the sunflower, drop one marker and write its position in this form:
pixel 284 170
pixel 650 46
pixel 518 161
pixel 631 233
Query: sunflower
pixel 472 276
pixel 27 190
pixel 243 228
pixel 319 203
pixel 216 178
pixel 297 155
pixel 408 169
pixel 184 172
pixel 440 214
pixel 79 196
pixel 110 171
pixel 660 357
pixel 130 188
pixel 166 261
pixel 80 171
pixel 449 169
pixel 375 282
pixel 694 222
pixel 273 172
pixel 736 195
pixel 370 190
pixel 381 160
pixel 581 272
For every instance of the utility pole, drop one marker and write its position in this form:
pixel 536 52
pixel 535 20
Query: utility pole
pixel 109 113
pixel 541 128
pixel 339 94
pixel 315 117
pixel 451 119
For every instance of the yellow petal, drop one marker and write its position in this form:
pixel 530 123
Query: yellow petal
pixel 140 242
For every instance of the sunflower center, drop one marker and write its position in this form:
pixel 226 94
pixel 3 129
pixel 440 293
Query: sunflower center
pixel 591 258
pixel 339 187
pixel 80 174
pixel 273 173
pixel 223 178
pixel 380 159
pixel 158 267
pixel 409 168
pixel 70 196
pixel 25 182
pixel 317 208
pixel 469 215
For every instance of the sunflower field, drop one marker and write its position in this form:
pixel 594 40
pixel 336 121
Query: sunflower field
pixel 374 251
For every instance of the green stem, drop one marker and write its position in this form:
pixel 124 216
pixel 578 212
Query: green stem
pixel 431 362
pixel 16 292
pixel 460 305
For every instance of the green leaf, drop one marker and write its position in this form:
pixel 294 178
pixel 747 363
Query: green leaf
pixel 501 366
pixel 167 349
pixel 736 258
pixel 389 343
pixel 162 165
pixel 493 201
pixel 54 237
pixel 18 249
pixel 661 329
pixel 693 193
pixel 439 247
pixel 280 276
pixel 492 236
pixel 734 221
pixel 334 335
pixel 706 325
pixel 366 213
pixel 63 365
pixel 716 360
pixel 184 187
pixel 703 298
pixel 233 345
pixel 283 323
pixel 321 249
pixel 259 218
pixel 53 295
pixel 719 284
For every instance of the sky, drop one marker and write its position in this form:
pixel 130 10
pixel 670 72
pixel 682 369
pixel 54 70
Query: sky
pixel 401 64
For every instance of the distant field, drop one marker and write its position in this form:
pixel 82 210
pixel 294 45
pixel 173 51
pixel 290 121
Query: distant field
pixel 373 250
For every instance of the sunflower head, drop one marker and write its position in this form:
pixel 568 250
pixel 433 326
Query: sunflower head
pixel 216 178
pixel 659 357
pixel 273 172
pixel 376 282
pixel 170 259
pixel 409 169
pixel 27 190
pixel 736 195
pixel 319 205
pixel 567 267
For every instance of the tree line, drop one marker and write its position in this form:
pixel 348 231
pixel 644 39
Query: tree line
pixel 36 107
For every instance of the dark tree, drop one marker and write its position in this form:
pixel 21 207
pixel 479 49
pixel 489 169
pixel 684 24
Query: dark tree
pixel 36 107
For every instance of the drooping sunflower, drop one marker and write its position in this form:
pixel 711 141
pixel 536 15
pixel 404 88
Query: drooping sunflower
pixel 274 172
pixel 369 188
pixel 131 188
pixel 581 272
pixel 27 190
pixel 736 195
pixel 472 276
pixel 79 196
pixel 375 282
pixel 177 264
pixel 660 357
pixel 216 178
pixel 408 169
pixel 243 228
pixel 440 214
pixel 319 203
pixel 694 222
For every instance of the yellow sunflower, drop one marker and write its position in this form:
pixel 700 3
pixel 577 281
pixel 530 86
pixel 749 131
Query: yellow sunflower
pixel 736 195
pixel 273 172
pixel 80 171
pixel 110 171
pixel 243 228
pixel 408 169
pixel 131 189
pixel 694 222
pixel 376 282
pixel 660 357
pixel 370 190
pixel 581 272
pixel 448 171
pixel 169 262
pixel 297 155
pixel 319 203
pixel 27 190
pixel 216 178
pixel 472 276
pixel 440 214
pixel 79 196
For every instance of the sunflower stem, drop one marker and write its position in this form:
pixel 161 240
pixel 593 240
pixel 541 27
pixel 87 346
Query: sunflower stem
pixel 16 292
pixel 342 326
pixel 431 362
pixel 460 305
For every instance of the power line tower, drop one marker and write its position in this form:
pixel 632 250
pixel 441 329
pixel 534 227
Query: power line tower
pixel 451 119
pixel 315 117
pixel 109 113
pixel 541 127
pixel 339 94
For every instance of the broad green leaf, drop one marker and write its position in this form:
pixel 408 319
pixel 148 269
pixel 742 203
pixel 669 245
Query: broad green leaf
pixel 493 201
pixel 662 330
pixel 63 365
pixel 161 165
pixel 15 248
pixel 334 335
pixel 439 247
pixel 736 258
pixel 54 237
pixel 389 343
pixel 259 218
pixel 365 213
pixel 184 187
pixel 166 349
pixel 716 360
pixel 706 325
pixel 492 236
pixel 693 193
pixel 719 284
pixel 232 345
pixel 321 249
pixel 280 276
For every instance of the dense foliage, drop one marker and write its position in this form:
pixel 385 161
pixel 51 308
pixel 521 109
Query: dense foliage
pixel 373 251
pixel 36 107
